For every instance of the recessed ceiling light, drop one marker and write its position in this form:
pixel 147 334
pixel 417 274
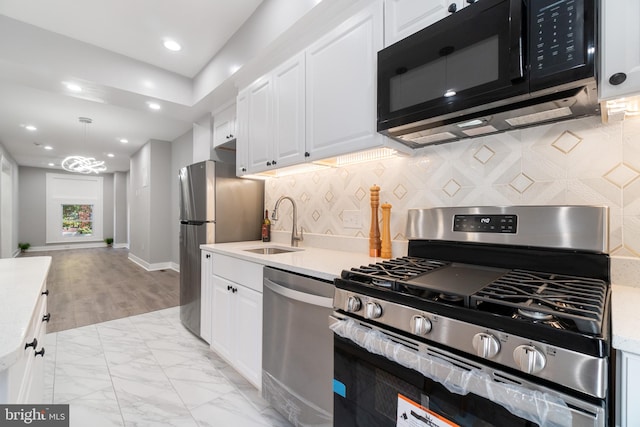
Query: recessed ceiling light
pixel 31 127
pixel 48 147
pixel 172 45
pixel 154 106
pixel 52 164
pixel 110 155
pixel 73 87
pixel 449 93
pixel 124 140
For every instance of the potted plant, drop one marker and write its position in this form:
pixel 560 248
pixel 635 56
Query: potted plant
pixel 109 241
pixel 24 246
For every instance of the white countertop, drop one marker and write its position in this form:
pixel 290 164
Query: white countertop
pixel 21 282
pixel 316 262
pixel 625 318
pixel 625 304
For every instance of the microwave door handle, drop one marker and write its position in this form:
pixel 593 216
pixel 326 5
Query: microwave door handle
pixel 516 55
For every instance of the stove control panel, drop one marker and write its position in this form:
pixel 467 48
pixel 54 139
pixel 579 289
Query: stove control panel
pixel 581 372
pixel 486 223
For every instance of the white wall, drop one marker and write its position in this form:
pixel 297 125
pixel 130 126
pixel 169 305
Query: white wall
pixel 32 198
pixel 9 203
pixel 150 198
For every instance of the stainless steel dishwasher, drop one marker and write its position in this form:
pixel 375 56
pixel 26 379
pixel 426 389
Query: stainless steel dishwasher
pixel 297 349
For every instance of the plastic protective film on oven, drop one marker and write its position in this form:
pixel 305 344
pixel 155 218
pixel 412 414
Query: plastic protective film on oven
pixel 538 407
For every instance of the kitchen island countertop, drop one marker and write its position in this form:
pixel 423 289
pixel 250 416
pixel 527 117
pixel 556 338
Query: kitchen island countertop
pixel 21 282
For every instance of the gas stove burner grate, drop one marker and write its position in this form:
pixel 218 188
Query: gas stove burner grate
pixel 536 294
pixel 398 269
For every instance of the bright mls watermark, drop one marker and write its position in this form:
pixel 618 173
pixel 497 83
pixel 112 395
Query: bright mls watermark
pixel 34 415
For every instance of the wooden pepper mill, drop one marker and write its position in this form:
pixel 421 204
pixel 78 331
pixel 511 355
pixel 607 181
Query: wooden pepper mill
pixel 386 231
pixel 374 233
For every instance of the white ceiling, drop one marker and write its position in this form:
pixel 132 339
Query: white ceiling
pixel 113 49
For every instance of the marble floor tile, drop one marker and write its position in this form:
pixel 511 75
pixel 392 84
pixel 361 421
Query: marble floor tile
pixel 148 370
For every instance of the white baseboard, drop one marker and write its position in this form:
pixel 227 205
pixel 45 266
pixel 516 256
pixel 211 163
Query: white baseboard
pixel 150 267
pixel 175 267
pixel 66 246
pixel 121 245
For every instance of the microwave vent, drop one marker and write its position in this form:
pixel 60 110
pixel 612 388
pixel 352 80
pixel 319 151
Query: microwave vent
pixel 432 139
pixel 542 116
pixel 480 130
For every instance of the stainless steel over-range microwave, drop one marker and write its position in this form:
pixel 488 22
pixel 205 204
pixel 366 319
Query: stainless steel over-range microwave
pixel 493 66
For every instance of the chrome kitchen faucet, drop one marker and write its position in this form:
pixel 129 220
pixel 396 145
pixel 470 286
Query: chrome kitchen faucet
pixel 294 232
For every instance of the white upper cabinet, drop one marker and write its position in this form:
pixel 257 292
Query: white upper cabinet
pixel 405 17
pixel 341 86
pixel 224 126
pixel 242 130
pixel 288 113
pixel 271 119
pixel 260 126
pixel 620 49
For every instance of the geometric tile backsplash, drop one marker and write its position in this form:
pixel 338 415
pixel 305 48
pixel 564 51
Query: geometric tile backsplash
pixel 579 162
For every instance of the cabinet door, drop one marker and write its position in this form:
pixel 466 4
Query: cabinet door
pixel 224 126
pixel 259 125
pixel 341 86
pixel 620 52
pixel 248 336
pixel 405 17
pixel 288 112
pixel 628 411
pixel 206 293
pixel 222 322
pixel 242 130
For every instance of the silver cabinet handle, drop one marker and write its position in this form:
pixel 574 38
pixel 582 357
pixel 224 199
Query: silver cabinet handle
pixel 299 296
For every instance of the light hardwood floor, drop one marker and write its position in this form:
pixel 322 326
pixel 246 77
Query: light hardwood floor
pixel 88 286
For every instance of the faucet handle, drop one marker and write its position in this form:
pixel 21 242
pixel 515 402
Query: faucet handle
pixel 301 234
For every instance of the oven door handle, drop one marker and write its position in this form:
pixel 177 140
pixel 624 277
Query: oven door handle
pixel 298 296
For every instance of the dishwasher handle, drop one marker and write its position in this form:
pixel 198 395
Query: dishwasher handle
pixel 298 296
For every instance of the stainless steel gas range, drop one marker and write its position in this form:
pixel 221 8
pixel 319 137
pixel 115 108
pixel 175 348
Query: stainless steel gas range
pixel 497 316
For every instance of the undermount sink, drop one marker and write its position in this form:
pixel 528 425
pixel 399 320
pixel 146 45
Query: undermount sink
pixel 272 250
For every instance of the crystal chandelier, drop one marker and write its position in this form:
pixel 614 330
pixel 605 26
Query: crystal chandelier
pixel 81 164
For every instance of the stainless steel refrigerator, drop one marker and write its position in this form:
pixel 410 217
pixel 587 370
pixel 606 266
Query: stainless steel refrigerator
pixel 215 207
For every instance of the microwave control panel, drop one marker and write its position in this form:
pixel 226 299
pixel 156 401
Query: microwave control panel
pixel 556 35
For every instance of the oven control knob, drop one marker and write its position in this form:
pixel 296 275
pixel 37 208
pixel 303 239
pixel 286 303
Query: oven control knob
pixel 372 310
pixel 353 304
pixel 529 359
pixel 420 325
pixel 486 345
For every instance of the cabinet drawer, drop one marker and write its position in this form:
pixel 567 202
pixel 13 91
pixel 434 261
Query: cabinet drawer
pixel 247 273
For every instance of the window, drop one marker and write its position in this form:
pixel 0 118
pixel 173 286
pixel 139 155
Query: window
pixel 74 208
pixel 77 220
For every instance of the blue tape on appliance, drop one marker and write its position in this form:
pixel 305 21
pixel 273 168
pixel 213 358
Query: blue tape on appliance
pixel 339 388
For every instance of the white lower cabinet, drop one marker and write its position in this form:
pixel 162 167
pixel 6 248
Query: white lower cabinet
pixel 628 393
pixel 236 314
pixel 23 381
pixel 206 294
